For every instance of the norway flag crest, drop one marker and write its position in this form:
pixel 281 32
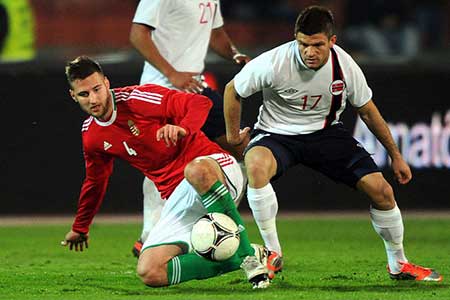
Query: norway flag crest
pixel 337 87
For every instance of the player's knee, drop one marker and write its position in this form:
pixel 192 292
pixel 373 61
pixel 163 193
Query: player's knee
pixel 258 168
pixel 153 276
pixel 382 194
pixel 199 171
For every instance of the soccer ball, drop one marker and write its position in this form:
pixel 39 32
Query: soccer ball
pixel 215 236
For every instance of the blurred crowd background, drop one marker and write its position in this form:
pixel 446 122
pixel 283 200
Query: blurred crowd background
pixel 373 30
pixel 402 46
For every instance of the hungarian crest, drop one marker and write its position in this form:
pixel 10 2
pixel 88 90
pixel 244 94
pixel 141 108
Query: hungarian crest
pixel 133 128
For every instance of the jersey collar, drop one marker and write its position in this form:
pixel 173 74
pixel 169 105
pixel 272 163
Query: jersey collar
pixel 113 115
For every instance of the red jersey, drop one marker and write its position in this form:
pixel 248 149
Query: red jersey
pixel 130 134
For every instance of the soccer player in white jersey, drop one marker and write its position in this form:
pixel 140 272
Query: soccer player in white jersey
pixel 306 84
pixel 157 131
pixel 173 36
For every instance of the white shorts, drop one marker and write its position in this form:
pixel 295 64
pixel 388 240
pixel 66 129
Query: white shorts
pixel 184 207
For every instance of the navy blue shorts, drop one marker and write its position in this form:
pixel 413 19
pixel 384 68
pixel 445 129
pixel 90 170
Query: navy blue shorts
pixel 332 151
pixel 215 123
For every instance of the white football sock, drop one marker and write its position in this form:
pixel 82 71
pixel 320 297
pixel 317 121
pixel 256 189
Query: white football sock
pixel 264 205
pixel 153 205
pixel 389 225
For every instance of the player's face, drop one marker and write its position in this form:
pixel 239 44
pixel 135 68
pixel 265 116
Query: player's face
pixel 315 49
pixel 93 95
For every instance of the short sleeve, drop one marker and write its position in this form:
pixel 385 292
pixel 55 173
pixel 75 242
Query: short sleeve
pixel 150 12
pixel 359 92
pixel 218 19
pixel 254 77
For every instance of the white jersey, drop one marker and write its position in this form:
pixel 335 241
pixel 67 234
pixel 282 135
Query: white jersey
pixel 182 33
pixel 299 100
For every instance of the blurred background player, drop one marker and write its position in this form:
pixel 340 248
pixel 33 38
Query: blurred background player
pixel 173 37
pixel 306 84
pixel 157 131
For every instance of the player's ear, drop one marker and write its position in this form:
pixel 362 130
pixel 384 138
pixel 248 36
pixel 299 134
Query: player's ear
pixel 333 40
pixel 108 85
pixel 72 94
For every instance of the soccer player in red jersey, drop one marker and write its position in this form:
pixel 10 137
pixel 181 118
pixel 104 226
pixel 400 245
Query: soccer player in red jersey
pixel 157 131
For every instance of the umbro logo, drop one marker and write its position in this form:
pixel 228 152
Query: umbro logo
pixel 290 91
pixel 106 145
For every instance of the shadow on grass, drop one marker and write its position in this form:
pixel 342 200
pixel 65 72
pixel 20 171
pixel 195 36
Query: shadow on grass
pixel 396 287
pixel 241 286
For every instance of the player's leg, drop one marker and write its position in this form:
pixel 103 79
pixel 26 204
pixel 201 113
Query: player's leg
pixel 261 166
pixel 218 179
pixel 208 178
pixel 152 206
pixel 169 264
pixel 348 162
pixel 165 257
pixel 386 217
pixel 387 222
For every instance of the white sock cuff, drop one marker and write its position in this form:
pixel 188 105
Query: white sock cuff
pixel 386 218
pixel 260 193
pixel 263 203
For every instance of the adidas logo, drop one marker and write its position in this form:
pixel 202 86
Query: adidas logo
pixel 106 145
pixel 241 228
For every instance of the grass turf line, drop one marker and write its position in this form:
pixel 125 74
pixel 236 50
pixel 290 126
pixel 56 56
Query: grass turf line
pixel 324 259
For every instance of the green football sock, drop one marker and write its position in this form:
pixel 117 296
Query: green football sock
pixel 218 199
pixel 191 266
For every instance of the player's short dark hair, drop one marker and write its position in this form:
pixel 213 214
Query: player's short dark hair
pixel 81 67
pixel 315 19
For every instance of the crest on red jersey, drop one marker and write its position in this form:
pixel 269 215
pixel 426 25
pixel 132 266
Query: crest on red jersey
pixel 133 128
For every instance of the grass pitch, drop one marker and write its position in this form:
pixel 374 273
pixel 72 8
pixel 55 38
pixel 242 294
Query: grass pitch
pixel 325 258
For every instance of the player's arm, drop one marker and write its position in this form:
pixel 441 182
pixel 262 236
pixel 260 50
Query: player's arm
pixel 98 170
pixel 190 109
pixel 232 115
pixel 141 39
pixel 371 116
pixel 221 43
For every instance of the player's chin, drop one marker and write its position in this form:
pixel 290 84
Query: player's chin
pixel 313 65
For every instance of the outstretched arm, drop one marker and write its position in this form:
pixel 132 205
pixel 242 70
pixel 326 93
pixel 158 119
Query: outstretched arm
pixel 221 43
pixel 141 39
pixel 372 118
pixel 98 170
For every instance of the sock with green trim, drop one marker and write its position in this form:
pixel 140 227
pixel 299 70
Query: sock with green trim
pixel 190 266
pixel 218 199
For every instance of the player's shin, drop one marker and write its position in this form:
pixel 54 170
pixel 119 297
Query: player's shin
pixel 264 205
pixel 191 266
pixel 389 225
pixel 218 199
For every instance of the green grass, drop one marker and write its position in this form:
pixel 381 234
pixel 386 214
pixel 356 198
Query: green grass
pixel 325 258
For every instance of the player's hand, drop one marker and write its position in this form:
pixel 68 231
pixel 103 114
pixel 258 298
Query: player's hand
pixel 401 169
pixel 170 134
pixel 243 138
pixel 76 240
pixel 185 81
pixel 241 59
